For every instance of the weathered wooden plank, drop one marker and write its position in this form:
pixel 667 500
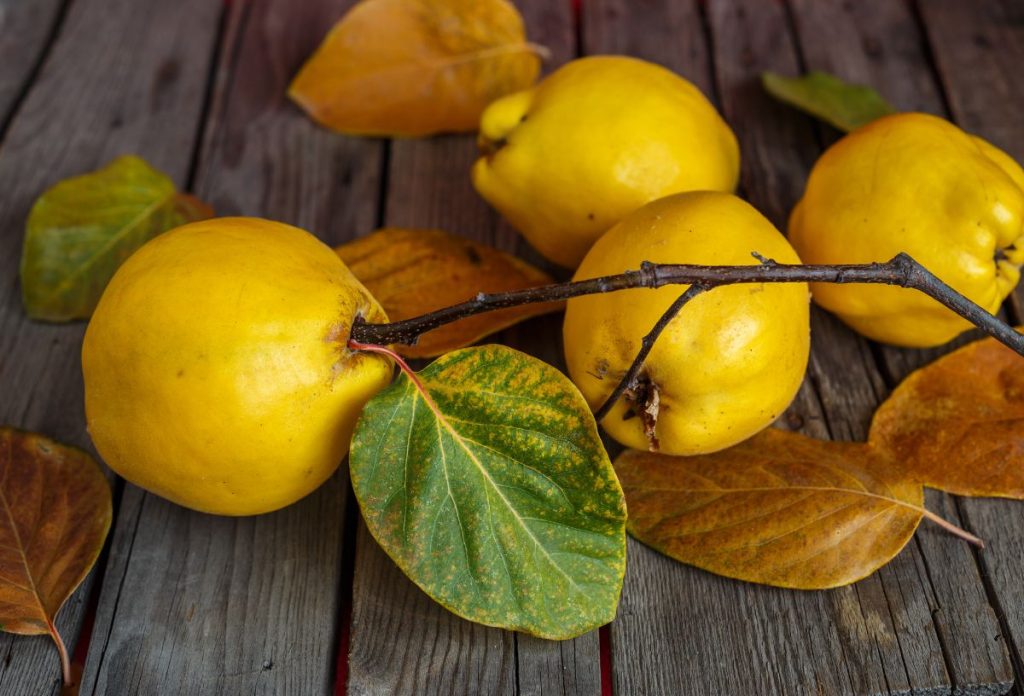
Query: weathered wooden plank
pixel 92 100
pixel 882 45
pixel 680 630
pixel 26 30
pixel 196 603
pixel 963 622
pixel 980 73
pixel 401 641
pixel 882 637
pixel 979 49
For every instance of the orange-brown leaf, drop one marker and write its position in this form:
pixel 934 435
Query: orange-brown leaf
pixel 412 272
pixel 958 423
pixel 55 512
pixel 416 67
pixel 780 509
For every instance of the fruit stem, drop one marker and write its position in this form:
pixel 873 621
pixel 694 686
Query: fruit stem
pixel 403 366
pixel 384 350
pixel 901 270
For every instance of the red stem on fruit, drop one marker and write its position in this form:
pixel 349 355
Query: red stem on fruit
pixel 403 366
pixel 902 271
pixel 399 360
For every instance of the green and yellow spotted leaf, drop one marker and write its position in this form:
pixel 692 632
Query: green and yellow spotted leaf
pixel 484 478
pixel 82 229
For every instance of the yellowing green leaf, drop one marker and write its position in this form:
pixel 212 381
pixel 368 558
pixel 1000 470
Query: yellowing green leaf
pixel 779 509
pixel 412 272
pixel 485 480
pixel 81 230
pixel 416 67
pixel 828 98
pixel 55 513
pixel 958 423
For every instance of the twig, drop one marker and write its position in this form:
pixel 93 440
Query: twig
pixel 902 271
pixel 629 380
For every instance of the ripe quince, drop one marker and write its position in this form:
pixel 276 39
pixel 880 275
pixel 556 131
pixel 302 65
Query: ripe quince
pixel 732 359
pixel 217 372
pixel 595 140
pixel 914 183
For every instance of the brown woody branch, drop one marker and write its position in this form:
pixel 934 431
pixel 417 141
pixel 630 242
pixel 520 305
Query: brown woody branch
pixel 902 271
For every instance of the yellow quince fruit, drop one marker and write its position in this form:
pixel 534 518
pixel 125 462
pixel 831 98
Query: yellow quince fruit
pixel 914 183
pixel 216 368
pixel 594 141
pixel 727 365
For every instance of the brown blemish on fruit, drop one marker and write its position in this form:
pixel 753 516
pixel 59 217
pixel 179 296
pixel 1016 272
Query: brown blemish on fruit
pixel 600 369
pixel 644 400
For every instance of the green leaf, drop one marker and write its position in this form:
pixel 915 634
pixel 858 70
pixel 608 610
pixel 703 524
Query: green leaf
pixel 828 98
pixel 485 480
pixel 82 229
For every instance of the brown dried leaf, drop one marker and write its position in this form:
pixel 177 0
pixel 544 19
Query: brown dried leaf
pixel 779 509
pixel 958 423
pixel 56 513
pixel 416 67
pixel 412 272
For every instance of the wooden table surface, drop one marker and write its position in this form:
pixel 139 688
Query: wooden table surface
pixel 303 601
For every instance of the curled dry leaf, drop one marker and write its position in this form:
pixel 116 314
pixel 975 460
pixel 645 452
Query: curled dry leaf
pixel 484 478
pixel 958 423
pixel 80 231
pixel 56 514
pixel 825 96
pixel 412 272
pixel 416 67
pixel 780 509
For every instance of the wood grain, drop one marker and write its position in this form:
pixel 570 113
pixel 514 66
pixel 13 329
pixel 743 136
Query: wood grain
pixel 963 621
pixel 401 641
pixel 893 58
pixel 978 50
pixel 884 639
pixel 681 630
pixel 91 100
pixel 26 32
pixel 842 367
pixel 195 603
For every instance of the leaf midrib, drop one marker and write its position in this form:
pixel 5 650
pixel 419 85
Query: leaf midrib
pixel 107 245
pixel 17 537
pixel 423 394
pixel 783 489
pixel 440 64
